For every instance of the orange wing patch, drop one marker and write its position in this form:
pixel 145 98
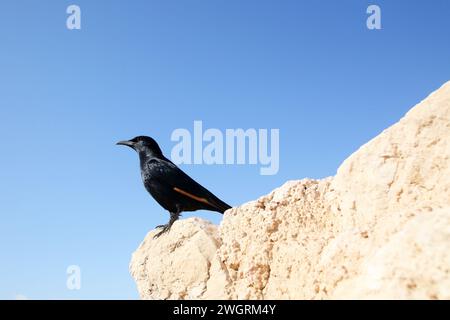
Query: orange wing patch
pixel 190 195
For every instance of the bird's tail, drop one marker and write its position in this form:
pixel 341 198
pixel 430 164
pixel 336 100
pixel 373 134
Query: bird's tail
pixel 219 205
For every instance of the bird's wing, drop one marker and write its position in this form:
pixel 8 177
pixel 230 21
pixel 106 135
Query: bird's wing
pixel 168 173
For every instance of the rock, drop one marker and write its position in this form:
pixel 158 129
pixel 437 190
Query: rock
pixel 378 229
pixel 176 265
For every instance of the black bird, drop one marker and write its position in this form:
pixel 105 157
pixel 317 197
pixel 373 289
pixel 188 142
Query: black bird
pixel 173 189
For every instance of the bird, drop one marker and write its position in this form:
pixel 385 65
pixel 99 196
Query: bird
pixel 170 186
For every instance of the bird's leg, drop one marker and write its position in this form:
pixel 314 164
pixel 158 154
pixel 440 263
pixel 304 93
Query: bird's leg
pixel 166 227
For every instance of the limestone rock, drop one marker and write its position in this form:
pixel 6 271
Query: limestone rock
pixel 176 265
pixel 378 229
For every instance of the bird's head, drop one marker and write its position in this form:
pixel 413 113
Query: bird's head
pixel 143 144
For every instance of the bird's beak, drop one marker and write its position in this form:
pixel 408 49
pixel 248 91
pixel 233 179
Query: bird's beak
pixel 125 143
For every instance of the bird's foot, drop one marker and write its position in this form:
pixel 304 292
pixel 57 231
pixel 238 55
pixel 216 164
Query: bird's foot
pixel 165 228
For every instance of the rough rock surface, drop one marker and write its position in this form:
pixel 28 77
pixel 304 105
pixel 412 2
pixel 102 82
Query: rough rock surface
pixel 380 228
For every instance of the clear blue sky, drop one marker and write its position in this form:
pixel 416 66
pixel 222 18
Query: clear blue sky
pixel 69 196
